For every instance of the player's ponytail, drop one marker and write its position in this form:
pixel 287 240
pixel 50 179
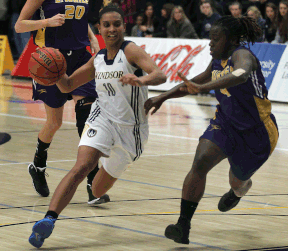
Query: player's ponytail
pixel 251 30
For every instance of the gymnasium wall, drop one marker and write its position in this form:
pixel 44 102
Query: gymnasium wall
pixel 191 57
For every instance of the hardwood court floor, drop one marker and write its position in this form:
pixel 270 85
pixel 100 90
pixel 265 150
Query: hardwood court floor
pixel 147 197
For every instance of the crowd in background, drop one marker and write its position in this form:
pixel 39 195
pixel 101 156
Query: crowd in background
pixel 173 19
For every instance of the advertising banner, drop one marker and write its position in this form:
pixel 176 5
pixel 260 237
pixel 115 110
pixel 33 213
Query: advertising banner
pixel 192 56
pixel 269 56
pixel 279 88
pixel 189 56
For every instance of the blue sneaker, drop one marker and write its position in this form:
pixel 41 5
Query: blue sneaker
pixel 41 230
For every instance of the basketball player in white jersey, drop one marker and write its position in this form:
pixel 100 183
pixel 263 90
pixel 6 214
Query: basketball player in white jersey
pixel 117 128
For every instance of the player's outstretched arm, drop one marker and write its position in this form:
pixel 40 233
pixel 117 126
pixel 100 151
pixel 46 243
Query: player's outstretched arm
pixel 24 24
pixel 244 63
pixel 79 77
pixel 137 56
pixel 94 44
pixel 180 90
pixel 156 102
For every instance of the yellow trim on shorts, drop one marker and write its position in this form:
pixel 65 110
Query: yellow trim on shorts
pixel 272 132
pixel 264 109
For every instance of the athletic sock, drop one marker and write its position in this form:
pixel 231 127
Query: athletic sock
pixel 41 154
pixel 42 148
pixel 188 209
pixel 52 214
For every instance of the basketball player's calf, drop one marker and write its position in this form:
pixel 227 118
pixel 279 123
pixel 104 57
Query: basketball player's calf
pixel 208 154
pixel 37 168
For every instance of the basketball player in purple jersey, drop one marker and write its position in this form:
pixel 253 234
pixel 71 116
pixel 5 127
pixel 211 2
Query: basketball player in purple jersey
pixel 63 25
pixel 243 130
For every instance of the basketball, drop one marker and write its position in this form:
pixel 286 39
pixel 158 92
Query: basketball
pixel 47 65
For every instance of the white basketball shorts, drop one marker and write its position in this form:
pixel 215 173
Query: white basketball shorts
pixel 120 144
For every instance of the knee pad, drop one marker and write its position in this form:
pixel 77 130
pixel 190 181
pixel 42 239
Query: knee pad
pixel 82 110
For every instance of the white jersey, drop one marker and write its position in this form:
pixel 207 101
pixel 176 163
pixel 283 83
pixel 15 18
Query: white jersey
pixel 121 104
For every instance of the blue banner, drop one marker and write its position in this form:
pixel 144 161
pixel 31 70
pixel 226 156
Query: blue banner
pixel 269 56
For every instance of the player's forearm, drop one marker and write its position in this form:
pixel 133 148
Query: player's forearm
pixel 227 81
pixel 154 78
pixel 175 92
pixel 91 35
pixel 64 84
pixel 30 25
pixel 201 79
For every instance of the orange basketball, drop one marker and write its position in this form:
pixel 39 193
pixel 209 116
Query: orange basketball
pixel 47 65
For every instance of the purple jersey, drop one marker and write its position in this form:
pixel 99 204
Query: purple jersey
pixel 73 34
pixel 246 104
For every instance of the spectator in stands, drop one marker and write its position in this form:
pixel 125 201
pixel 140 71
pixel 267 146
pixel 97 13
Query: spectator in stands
pixel 179 25
pixel 235 9
pixel 261 5
pixel 197 17
pixel 210 17
pixel 136 30
pixel 165 17
pixel 151 22
pixel 129 8
pixel 255 13
pixel 282 31
pixel 271 22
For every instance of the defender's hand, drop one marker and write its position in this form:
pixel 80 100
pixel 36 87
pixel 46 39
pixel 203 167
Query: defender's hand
pixel 155 102
pixel 189 87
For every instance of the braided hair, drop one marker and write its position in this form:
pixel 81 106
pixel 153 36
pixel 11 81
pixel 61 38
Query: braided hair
pixel 244 28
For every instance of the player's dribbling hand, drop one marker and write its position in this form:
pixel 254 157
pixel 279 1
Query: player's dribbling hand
pixel 189 87
pixel 130 79
pixel 155 102
pixel 57 20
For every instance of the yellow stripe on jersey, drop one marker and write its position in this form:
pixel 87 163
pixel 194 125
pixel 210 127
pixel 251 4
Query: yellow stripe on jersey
pixel 264 109
pixel 40 37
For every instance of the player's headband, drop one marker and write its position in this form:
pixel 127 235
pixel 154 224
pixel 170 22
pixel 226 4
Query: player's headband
pixel 111 9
